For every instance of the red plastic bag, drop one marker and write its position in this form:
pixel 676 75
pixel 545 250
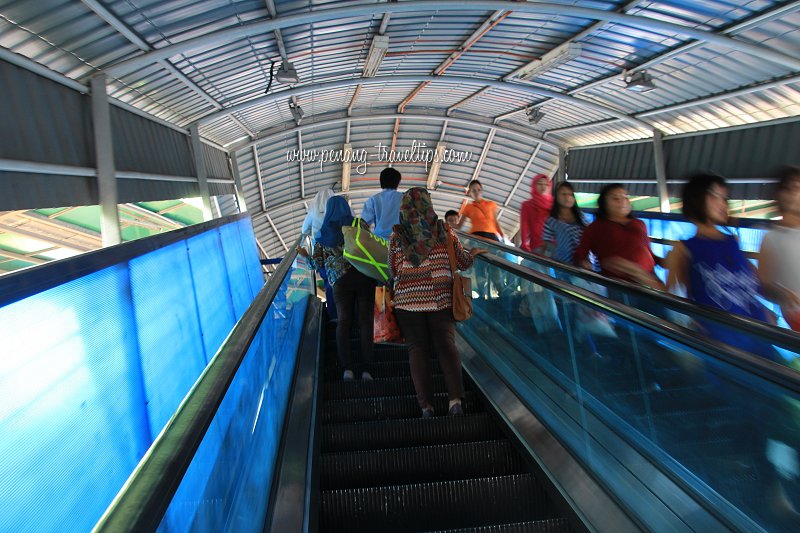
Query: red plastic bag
pixel 385 327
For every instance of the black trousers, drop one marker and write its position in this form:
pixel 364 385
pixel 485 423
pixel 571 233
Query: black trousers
pixel 429 333
pixel 354 287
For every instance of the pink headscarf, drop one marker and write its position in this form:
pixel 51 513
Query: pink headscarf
pixel 534 214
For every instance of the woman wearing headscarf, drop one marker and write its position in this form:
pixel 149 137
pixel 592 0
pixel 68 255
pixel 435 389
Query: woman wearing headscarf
pixel 534 213
pixel 349 286
pixel 423 295
pixel 316 214
pixel 311 226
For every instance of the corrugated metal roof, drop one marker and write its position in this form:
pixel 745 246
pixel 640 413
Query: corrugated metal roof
pixel 700 85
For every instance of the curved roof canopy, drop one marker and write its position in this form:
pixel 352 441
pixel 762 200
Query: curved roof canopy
pixel 510 83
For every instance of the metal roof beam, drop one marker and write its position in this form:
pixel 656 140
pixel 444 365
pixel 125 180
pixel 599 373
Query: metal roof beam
pixel 522 174
pixel 381 116
pixel 484 154
pixel 300 161
pixel 278 36
pixel 21 257
pixel 129 34
pixel 683 105
pixel 733 30
pixel 259 180
pixel 48 238
pixel 454 80
pixel 257 28
pixel 278 233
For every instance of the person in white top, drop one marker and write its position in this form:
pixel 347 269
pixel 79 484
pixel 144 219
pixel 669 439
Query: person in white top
pixel 316 214
pixel 780 251
pixel 311 226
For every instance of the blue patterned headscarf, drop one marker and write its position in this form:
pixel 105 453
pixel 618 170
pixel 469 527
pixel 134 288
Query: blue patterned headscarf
pixel 337 214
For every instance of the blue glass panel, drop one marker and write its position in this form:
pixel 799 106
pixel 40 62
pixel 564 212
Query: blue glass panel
pixel 240 286
pixel 227 485
pixel 728 437
pixel 250 252
pixel 212 289
pixel 95 367
pixel 170 342
pixel 73 423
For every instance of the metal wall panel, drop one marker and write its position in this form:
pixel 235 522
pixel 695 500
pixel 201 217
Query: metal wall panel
pixel 142 145
pixel 43 121
pixel 34 191
pixel 216 163
pixel 738 153
pixel 147 191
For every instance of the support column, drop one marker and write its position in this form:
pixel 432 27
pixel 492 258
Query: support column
pixel 661 171
pixel 561 173
pixel 237 182
pixel 202 174
pixel 104 154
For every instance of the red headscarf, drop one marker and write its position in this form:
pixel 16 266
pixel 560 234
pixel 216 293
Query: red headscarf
pixel 534 214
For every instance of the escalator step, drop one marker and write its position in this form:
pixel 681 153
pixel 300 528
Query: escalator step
pixel 381 408
pixel 420 464
pixel 408 432
pixel 388 369
pixel 554 525
pixel 431 506
pixel 399 386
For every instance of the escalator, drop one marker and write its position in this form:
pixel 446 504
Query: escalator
pixel 582 413
pixel 383 468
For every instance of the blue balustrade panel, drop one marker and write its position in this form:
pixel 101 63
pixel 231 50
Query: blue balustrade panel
pixel 92 369
pixel 211 285
pixel 226 488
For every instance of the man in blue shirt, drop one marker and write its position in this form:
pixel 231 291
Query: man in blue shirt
pixel 383 209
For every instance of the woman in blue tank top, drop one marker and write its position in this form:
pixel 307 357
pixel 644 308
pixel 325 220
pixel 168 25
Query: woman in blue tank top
pixel 712 268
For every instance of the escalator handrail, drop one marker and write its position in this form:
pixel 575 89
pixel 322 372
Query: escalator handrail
pixel 781 375
pixel 143 500
pixel 775 335
pixel 741 222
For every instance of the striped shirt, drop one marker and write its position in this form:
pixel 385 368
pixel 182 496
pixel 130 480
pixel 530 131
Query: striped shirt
pixel 566 237
pixel 429 286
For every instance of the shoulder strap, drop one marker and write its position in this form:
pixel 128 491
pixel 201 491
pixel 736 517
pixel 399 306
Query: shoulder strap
pixel 451 250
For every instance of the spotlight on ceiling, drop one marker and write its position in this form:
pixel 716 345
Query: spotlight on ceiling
pixel 287 74
pixel 297 111
pixel 535 114
pixel 377 51
pixel 639 82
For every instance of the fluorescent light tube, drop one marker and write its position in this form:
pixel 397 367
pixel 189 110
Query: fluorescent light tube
pixel 377 51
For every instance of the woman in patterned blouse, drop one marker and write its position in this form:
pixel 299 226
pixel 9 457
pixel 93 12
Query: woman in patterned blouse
pixel 423 298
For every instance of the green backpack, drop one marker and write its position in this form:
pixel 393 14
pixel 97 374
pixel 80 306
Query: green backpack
pixel 368 253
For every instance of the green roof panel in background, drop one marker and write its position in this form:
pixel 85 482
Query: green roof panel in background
pixel 87 217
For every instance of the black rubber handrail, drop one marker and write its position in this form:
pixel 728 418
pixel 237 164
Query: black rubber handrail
pixel 741 222
pixel 145 497
pixel 781 375
pixel 774 335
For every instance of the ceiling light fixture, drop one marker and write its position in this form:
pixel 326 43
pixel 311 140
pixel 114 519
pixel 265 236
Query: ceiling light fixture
pixel 297 111
pixel 377 51
pixel 639 82
pixel 287 74
pixel 535 114
pixel 552 59
pixel 436 165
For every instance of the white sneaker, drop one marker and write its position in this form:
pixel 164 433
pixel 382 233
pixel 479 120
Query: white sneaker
pixel 366 376
pixel 348 375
